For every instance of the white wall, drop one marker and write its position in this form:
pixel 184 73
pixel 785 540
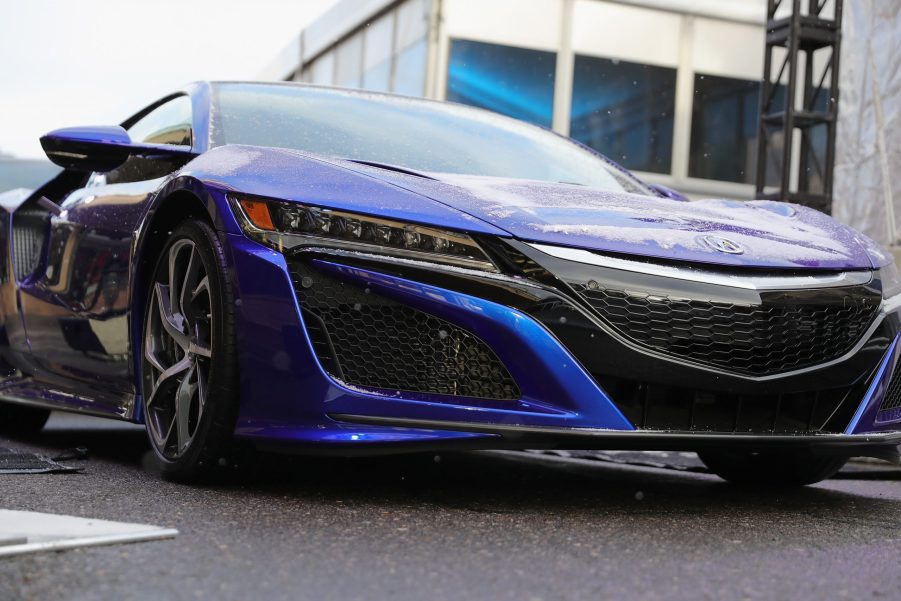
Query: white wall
pixel 867 186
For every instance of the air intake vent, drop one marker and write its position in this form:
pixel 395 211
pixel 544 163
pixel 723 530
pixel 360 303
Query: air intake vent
pixel 651 406
pixel 371 341
pixel 892 398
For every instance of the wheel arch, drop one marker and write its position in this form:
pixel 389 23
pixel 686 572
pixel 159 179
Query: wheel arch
pixel 180 199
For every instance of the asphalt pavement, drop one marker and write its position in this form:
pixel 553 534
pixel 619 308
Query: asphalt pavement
pixel 520 526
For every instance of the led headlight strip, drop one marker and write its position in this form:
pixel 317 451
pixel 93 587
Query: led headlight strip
pixel 288 225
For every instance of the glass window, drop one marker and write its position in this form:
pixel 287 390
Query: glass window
pixel 409 70
pixel 379 36
pixel 169 123
pixel 513 81
pixel 403 132
pixel 412 23
pixel 724 129
pixel 349 68
pixel 625 110
pixel 323 70
pixel 378 78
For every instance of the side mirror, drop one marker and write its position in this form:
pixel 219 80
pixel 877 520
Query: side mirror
pixel 667 192
pixel 101 148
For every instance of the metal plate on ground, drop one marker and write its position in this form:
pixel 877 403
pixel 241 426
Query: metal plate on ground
pixel 15 462
pixel 23 532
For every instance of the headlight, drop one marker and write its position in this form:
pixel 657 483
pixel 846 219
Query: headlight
pixel 891 280
pixel 288 225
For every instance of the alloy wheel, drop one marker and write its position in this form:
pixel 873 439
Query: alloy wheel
pixel 177 350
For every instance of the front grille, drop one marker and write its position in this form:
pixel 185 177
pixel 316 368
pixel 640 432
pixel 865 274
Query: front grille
pixel 797 329
pixel 892 399
pixel 651 406
pixel 368 340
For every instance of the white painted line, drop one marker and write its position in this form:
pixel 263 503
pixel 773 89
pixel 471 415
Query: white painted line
pixel 51 532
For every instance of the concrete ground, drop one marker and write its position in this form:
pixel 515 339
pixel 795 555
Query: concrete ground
pixel 469 526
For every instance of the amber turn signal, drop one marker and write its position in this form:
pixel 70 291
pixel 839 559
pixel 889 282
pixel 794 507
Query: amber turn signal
pixel 258 213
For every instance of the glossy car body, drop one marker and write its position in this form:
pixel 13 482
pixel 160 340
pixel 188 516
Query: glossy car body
pixel 609 317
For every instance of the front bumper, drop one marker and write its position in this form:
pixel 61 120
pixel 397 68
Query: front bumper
pixel 560 356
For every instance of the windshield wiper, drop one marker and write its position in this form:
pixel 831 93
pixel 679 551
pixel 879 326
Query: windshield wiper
pixel 390 167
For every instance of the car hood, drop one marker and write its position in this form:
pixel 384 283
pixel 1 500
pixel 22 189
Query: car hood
pixel 766 234
pixel 769 234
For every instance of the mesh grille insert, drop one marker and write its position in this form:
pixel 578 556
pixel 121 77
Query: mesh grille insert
pixel 892 398
pixel 754 339
pixel 369 340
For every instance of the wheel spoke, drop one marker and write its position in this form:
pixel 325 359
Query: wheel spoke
pixel 202 349
pixel 171 323
pixel 188 284
pixel 201 389
pixel 151 356
pixel 183 397
pixel 162 381
pixel 172 288
pixel 202 286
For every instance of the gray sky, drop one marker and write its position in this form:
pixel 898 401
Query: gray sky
pixel 95 62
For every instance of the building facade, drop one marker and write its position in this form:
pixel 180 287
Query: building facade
pixel 668 88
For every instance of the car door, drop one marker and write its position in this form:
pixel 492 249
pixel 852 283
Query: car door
pixel 75 304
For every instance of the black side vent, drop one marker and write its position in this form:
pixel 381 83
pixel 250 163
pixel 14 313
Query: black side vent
pixel 368 340
pixel 892 398
pixel 29 229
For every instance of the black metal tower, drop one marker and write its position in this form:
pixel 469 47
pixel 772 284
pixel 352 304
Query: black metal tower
pixel 799 102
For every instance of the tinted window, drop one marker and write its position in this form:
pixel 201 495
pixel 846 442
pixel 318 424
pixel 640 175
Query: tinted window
pixel 349 62
pixel 409 70
pixel 417 134
pixel 323 70
pixel 724 129
pixel 625 110
pixel 512 81
pixel 377 60
pixel 169 123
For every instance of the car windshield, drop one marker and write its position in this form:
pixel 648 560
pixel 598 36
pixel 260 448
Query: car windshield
pixel 405 132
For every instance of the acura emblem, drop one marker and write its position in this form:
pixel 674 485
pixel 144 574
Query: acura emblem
pixel 723 245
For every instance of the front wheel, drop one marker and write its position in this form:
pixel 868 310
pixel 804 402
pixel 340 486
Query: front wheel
pixel 189 365
pixel 771 468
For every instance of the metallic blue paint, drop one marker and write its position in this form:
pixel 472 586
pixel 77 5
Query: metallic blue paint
pixel 290 395
pixel 292 175
pixel 286 396
pixel 648 226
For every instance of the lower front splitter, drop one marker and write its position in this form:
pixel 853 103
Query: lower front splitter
pixel 882 445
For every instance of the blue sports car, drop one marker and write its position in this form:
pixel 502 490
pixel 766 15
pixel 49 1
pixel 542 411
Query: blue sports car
pixel 322 270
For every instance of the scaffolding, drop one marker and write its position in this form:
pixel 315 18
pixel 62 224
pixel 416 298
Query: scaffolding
pixel 799 102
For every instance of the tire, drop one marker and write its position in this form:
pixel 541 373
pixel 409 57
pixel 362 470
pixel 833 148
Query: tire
pixel 19 419
pixel 771 469
pixel 189 370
